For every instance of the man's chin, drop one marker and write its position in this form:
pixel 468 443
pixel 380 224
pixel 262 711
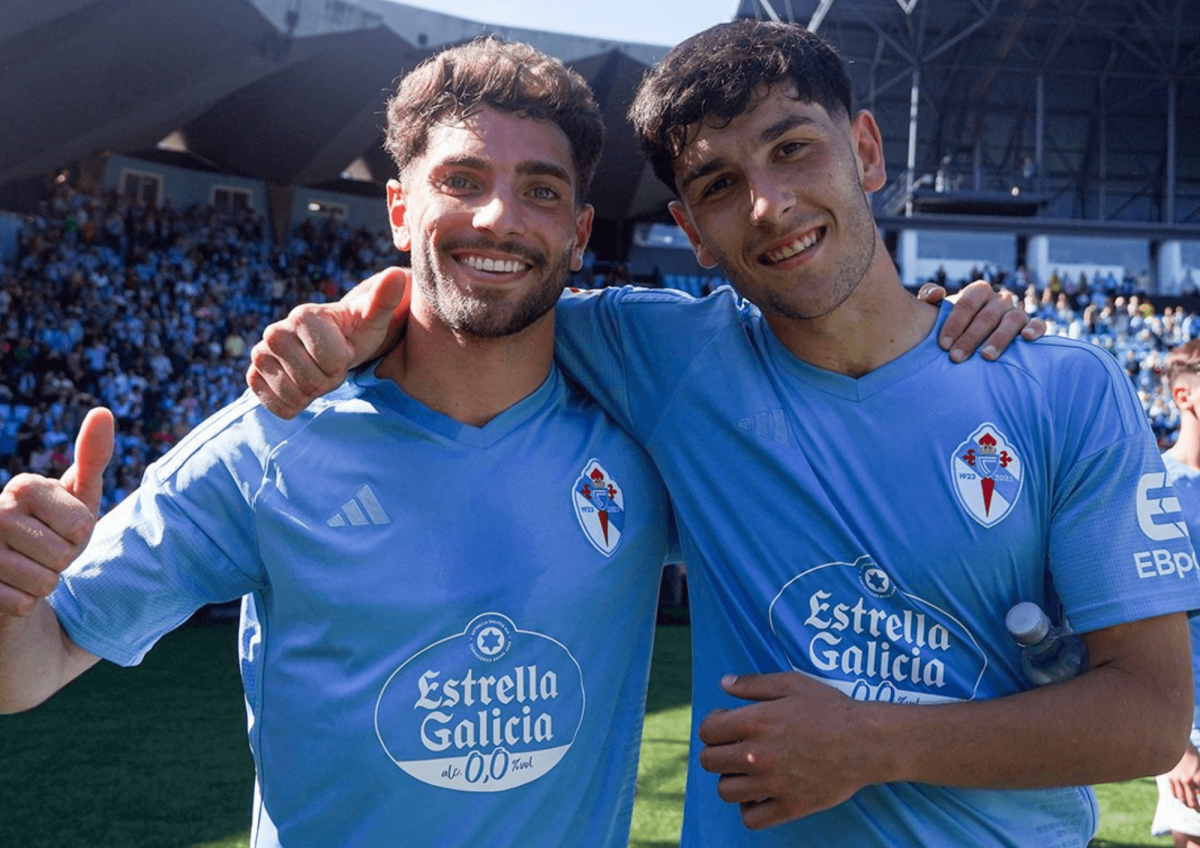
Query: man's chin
pixel 491 321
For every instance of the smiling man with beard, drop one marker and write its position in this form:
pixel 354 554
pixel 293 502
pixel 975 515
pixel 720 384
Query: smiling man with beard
pixel 407 683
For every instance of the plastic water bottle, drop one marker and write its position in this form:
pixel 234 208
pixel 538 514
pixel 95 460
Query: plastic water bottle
pixel 1048 653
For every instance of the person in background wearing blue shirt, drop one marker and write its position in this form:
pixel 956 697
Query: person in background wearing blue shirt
pixel 1178 810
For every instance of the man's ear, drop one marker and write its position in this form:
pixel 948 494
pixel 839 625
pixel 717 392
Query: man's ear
pixel 583 232
pixel 703 256
pixel 1181 393
pixel 397 215
pixel 868 150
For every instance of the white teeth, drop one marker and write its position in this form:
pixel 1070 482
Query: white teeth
pixel 496 266
pixel 798 246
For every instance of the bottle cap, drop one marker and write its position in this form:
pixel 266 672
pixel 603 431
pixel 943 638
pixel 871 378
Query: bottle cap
pixel 1027 623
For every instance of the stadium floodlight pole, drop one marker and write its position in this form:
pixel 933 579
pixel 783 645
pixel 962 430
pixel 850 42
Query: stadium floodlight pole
pixel 914 103
pixel 1039 140
pixel 1169 189
pixel 814 23
pixel 770 10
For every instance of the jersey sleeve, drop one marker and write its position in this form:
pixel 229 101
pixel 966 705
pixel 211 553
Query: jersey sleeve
pixel 1119 547
pixel 1117 553
pixel 184 539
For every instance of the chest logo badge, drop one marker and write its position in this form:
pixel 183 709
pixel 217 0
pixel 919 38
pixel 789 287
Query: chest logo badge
pixel 600 507
pixel 988 474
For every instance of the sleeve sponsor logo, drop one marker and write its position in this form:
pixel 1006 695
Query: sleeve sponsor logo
pixel 849 625
pixel 1161 519
pixel 1158 511
pixel 485 710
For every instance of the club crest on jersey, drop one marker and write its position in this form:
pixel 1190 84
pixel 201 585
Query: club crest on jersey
pixel 988 473
pixel 600 507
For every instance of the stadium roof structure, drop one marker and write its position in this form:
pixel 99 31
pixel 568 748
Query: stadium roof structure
pixel 287 91
pixel 1088 108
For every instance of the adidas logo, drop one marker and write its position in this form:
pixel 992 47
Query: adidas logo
pixel 771 425
pixel 361 510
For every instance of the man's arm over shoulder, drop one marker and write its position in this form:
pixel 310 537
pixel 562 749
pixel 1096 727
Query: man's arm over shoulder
pixel 309 352
pixel 983 319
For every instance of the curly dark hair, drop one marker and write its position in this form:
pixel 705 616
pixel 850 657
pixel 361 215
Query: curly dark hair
pixel 721 73
pixel 507 76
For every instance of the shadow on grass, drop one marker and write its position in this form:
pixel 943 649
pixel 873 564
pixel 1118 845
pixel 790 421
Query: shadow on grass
pixel 671 675
pixel 149 757
pixel 156 756
pixel 238 840
pixel 658 809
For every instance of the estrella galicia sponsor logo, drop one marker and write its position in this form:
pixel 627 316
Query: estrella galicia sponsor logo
pixel 484 710
pixel 987 472
pixel 1161 519
pixel 599 503
pixel 849 625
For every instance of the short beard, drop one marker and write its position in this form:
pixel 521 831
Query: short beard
pixel 484 314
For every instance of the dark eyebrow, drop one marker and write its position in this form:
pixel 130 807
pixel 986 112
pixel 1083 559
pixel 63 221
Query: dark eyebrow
pixel 541 168
pixel 473 162
pixel 768 135
pixel 709 167
pixel 531 168
pixel 784 125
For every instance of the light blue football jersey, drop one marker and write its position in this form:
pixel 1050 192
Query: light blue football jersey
pixel 446 631
pixel 873 532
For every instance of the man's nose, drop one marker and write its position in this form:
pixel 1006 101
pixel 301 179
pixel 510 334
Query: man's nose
pixel 499 214
pixel 769 201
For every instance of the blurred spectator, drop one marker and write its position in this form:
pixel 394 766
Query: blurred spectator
pixel 151 312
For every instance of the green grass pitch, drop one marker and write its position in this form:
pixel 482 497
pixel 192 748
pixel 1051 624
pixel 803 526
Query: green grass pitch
pixel 156 756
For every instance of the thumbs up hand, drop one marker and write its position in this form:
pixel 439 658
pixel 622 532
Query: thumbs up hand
pixel 309 353
pixel 45 523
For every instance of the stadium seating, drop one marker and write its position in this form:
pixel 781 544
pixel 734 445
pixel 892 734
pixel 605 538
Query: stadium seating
pixel 153 312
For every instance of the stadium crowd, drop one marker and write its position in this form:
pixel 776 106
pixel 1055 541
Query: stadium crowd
pixel 152 311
